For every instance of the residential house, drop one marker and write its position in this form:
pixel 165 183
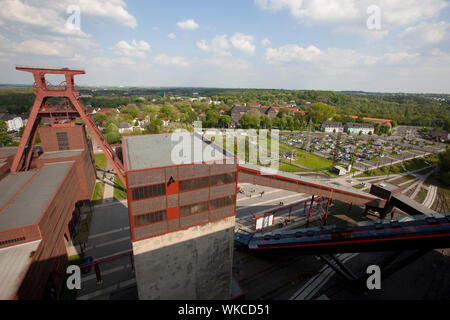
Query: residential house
pixel 125 127
pixel 356 127
pixel 331 126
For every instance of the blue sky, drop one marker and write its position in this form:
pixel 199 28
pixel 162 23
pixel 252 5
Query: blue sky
pixel 292 44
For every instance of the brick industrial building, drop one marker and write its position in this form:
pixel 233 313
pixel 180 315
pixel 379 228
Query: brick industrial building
pixel 39 209
pixel 182 216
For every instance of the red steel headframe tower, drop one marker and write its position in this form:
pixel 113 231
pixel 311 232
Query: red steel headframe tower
pixel 41 108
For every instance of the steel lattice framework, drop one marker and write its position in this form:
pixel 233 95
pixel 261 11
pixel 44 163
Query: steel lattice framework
pixel 42 108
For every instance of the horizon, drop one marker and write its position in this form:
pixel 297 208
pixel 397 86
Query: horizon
pixel 12 85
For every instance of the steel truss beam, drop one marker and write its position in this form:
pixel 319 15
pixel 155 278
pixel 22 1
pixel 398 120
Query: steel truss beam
pixel 43 90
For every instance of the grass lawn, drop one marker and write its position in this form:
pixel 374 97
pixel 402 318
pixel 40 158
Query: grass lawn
pixel 402 179
pixel 410 165
pixel 395 168
pixel 97 195
pixel 287 167
pixel 442 201
pixel 426 170
pixel 66 294
pixel 418 163
pixel 100 161
pixel 312 161
pixel 421 195
pixel 120 192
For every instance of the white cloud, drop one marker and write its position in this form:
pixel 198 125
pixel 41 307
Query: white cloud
pixel 351 15
pixel 398 57
pixel 219 45
pixel 227 64
pixel 188 24
pixel 135 49
pixel 167 60
pixel 334 57
pixel 53 15
pixel 243 42
pixel 34 46
pixel 113 9
pixel 265 42
pixel 316 10
pixel 427 33
pixel 292 52
pixel 171 36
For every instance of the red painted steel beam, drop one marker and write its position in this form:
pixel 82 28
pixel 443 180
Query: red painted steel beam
pixel 42 92
pixel 33 117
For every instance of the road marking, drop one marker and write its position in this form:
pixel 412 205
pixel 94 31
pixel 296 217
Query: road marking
pixel 108 232
pixel 110 204
pixel 114 254
pixel 110 289
pixel 106 272
pixel 107 243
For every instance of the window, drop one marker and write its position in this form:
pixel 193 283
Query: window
pixel 149 218
pixel 148 191
pixel 193 184
pixel 193 208
pixel 222 202
pixel 63 141
pixel 223 178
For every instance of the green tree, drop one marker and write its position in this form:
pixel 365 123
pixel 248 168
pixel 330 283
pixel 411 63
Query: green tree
pixel 254 118
pixel 154 126
pixel 131 109
pixel 99 117
pixel 5 138
pixel 224 121
pixel 212 119
pixel 444 167
pixel 320 112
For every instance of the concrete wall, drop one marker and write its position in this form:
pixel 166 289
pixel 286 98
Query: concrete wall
pixel 193 263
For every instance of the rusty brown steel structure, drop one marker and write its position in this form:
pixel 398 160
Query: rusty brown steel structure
pixel 42 109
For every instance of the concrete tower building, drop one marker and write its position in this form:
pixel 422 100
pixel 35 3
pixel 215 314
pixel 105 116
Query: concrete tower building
pixel 182 203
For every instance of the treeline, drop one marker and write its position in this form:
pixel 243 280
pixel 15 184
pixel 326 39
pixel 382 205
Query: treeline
pixel 405 109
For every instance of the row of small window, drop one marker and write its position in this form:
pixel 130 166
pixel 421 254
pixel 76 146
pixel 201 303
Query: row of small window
pixel 157 216
pixel 203 206
pixel 193 184
pixel 222 202
pixel 11 241
pixel 150 218
pixel 155 190
pixel 198 183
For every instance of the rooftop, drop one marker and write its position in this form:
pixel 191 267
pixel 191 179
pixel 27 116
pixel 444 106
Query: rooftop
pixel 26 195
pixel 332 124
pixel 159 150
pixel 61 154
pixel 14 263
pixel 388 186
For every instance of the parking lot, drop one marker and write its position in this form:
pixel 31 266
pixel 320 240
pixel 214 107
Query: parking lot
pixel 368 151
